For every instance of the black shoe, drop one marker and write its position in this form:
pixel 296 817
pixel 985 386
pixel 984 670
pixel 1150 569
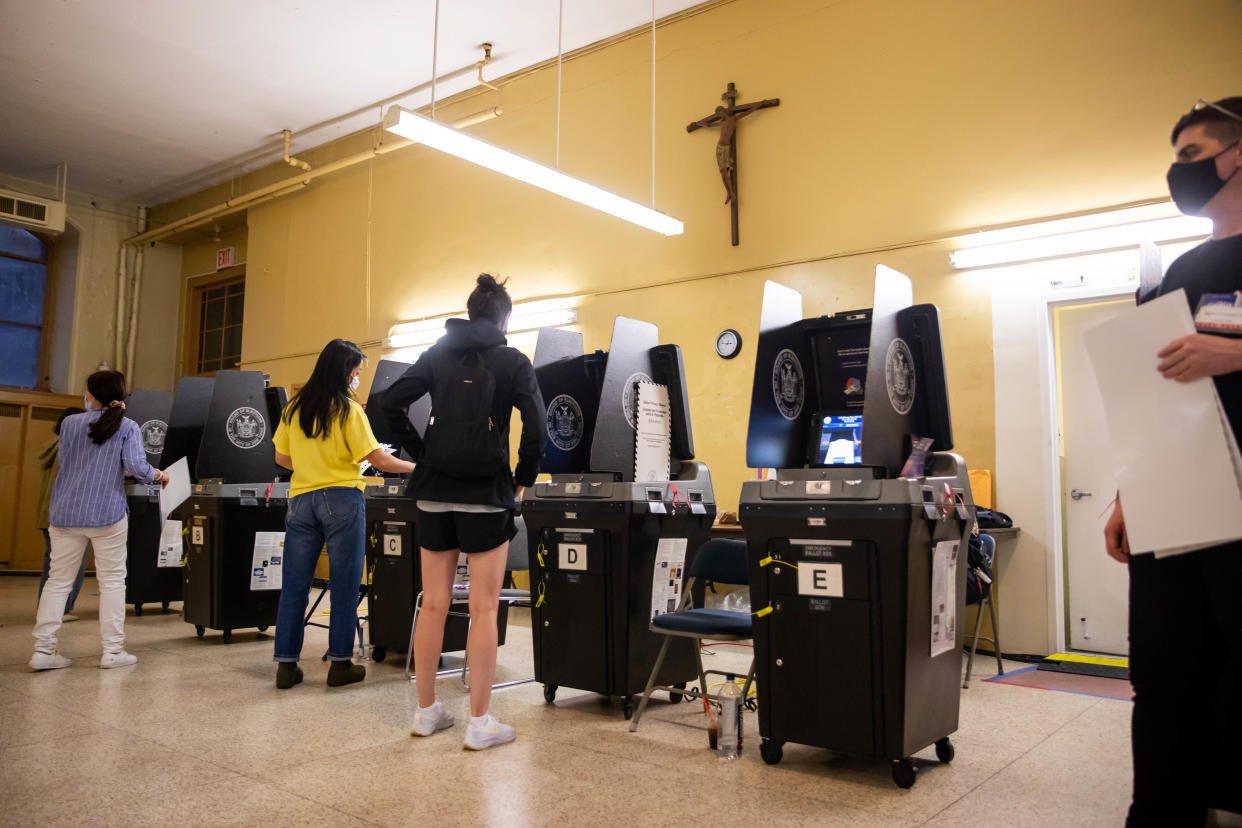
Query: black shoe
pixel 288 673
pixel 345 672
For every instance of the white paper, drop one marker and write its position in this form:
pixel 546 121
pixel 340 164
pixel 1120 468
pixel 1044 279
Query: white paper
pixel 1174 456
pixel 652 440
pixel 670 565
pixel 269 554
pixel 171 549
pixel 944 597
pixel 177 490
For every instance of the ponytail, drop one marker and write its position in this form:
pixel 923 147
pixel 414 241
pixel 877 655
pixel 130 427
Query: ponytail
pixel 108 387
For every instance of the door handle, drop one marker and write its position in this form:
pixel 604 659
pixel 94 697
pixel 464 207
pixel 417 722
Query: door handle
pixel 1077 495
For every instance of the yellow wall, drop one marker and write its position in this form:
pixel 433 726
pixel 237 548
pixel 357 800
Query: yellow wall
pixel 901 123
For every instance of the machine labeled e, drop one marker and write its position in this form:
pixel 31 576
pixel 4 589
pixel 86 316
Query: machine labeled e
pixel 822 580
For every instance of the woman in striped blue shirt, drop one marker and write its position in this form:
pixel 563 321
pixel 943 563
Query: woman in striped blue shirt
pixel 88 504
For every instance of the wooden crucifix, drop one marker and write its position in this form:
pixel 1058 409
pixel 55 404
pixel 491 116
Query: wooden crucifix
pixel 726 117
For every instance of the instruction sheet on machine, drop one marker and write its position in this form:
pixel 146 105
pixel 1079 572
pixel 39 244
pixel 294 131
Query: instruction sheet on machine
pixel 269 553
pixel 170 553
pixel 944 597
pixel 670 565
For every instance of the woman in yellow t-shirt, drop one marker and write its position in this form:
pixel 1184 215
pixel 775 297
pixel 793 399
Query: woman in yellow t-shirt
pixel 324 436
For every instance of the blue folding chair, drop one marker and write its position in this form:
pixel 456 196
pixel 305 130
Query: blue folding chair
pixel 720 561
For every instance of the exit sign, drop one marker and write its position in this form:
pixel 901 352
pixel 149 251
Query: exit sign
pixel 226 257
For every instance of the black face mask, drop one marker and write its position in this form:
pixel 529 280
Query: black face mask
pixel 1194 184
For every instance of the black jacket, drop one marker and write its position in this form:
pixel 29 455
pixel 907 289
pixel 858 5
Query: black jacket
pixel 515 388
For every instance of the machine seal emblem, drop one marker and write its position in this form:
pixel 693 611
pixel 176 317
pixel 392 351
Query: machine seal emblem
pixel 899 376
pixel 245 427
pixel 565 422
pixel 153 434
pixel 788 384
pixel 629 397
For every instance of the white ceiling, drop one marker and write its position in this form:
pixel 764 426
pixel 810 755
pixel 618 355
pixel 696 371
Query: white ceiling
pixel 148 100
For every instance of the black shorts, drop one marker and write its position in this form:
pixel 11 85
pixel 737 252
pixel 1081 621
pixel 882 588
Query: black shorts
pixel 467 531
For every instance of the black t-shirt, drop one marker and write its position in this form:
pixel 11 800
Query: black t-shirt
pixel 1213 267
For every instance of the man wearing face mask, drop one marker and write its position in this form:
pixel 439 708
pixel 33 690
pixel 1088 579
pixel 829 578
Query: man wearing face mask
pixel 1185 616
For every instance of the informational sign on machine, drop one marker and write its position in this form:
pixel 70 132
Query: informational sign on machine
pixel 269 554
pixel 392 539
pixel 571 556
pixel 170 553
pixel 652 436
pixel 821 580
pixel 944 597
pixel 670 565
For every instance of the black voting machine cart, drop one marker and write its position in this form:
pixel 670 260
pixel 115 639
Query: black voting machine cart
pixel 150 578
pixel 395 577
pixel 595 532
pixel 846 561
pixel 239 491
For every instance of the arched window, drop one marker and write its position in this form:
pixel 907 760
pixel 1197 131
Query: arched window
pixel 23 306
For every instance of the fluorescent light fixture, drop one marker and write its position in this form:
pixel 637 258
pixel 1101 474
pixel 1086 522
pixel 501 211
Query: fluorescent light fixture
pixel 446 139
pixel 1083 241
pixel 423 332
pixel 416 336
pixel 541 319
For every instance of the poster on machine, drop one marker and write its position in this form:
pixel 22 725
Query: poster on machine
pixel 944 597
pixel 269 553
pixel 170 553
pixel 670 565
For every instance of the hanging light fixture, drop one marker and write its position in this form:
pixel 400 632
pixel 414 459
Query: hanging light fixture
pixel 445 138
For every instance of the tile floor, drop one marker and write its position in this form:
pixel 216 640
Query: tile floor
pixel 196 733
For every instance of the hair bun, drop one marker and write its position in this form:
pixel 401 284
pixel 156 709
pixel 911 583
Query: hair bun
pixel 488 282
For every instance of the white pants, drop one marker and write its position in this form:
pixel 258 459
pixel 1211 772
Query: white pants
pixel 68 547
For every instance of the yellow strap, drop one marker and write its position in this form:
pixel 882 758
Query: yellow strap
pixel 539 602
pixel 765 611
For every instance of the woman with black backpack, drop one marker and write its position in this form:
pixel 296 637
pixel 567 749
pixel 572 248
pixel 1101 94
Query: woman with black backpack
pixel 465 490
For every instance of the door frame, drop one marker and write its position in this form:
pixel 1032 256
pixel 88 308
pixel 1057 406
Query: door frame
pixel 1055 528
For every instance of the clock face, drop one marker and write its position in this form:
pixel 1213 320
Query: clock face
pixel 728 343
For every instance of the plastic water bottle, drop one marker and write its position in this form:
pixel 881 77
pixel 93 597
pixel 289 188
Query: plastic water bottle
pixel 730 744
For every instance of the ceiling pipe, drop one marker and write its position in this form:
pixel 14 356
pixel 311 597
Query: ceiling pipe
pixel 487 58
pixel 135 294
pixel 292 162
pixel 288 185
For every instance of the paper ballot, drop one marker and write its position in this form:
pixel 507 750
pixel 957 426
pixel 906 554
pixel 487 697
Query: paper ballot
pixel 1174 456
pixel 670 564
pixel 652 433
pixel 177 490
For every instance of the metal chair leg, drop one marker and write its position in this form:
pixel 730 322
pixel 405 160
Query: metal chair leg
pixel 698 655
pixel 651 679
pixel 974 644
pixel 409 651
pixel 1000 667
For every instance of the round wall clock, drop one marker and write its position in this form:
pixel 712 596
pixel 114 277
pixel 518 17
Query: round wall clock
pixel 728 343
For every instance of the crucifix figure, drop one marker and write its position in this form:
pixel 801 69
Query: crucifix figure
pixel 726 117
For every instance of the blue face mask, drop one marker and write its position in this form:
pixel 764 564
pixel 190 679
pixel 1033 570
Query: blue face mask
pixel 1194 184
pixel 86 402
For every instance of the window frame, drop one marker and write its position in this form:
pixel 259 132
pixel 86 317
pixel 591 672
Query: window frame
pixel 42 372
pixel 196 287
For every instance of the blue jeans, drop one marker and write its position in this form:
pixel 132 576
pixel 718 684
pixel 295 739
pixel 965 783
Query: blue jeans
pixel 47 559
pixel 337 516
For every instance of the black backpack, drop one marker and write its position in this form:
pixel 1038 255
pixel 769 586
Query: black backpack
pixel 461 439
pixel 979 561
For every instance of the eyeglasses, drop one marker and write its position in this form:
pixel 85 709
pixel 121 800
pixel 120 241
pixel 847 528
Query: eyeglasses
pixel 1202 104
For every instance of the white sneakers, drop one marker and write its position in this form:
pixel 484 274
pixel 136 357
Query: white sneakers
pixel 427 722
pixel 48 661
pixel 121 659
pixel 54 661
pixel 481 735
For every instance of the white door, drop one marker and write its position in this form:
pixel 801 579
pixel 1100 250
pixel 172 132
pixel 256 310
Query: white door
pixel 1097 587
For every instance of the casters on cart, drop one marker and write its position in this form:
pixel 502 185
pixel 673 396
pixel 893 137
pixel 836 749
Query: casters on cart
pixel 228 636
pixel 263 629
pixel 675 698
pixel 771 751
pixel 378 654
pixel 549 693
pixel 199 630
pixel 164 606
pixel 137 610
pixel 903 772
pixel 627 707
pixel 945 751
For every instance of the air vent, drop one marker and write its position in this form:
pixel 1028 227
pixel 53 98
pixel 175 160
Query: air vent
pixel 33 212
pixel 47 414
pixel 10 410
